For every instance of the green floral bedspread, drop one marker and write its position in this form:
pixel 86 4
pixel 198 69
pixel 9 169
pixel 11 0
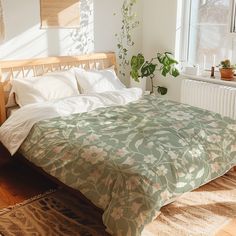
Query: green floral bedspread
pixel 130 160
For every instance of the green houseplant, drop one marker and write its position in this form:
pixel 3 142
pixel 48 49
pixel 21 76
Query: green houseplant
pixel 141 68
pixel 226 70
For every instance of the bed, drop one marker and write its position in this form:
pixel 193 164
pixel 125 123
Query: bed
pixel 128 159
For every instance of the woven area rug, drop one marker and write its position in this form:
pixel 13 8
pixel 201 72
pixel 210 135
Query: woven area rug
pixel 55 213
pixel 199 213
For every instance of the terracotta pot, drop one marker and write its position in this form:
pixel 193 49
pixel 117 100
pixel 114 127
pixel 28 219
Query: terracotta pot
pixel 227 73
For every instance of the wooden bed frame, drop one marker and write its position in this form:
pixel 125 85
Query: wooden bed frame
pixel 36 67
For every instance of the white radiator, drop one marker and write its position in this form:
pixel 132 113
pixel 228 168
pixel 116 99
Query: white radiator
pixel 214 97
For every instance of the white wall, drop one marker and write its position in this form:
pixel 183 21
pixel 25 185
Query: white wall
pixel 25 39
pixel 159 35
pixel 99 24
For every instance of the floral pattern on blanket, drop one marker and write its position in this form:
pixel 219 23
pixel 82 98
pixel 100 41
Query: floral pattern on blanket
pixel 130 160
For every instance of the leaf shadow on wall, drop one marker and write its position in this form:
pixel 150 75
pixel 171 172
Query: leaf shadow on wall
pixel 83 37
pixel 28 40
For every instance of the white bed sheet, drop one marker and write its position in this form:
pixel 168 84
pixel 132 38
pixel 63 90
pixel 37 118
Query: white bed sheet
pixel 11 110
pixel 16 128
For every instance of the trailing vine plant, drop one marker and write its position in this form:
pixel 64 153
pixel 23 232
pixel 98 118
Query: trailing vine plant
pixel 124 38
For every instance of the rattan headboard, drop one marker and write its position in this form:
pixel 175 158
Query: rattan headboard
pixel 36 67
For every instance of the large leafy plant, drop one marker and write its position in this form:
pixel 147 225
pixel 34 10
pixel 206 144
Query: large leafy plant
pixel 164 62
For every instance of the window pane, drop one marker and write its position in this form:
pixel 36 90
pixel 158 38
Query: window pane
pixel 210 41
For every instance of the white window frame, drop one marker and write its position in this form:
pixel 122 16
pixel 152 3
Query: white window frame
pixel 183 37
pixel 186 30
pixel 233 17
pixel 182 30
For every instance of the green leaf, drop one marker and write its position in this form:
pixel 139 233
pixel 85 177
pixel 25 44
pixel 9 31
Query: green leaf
pixel 148 69
pixel 162 90
pixel 175 72
pixel 165 70
pixel 160 58
pixel 135 75
pixel 172 61
pixel 137 61
pixel 136 64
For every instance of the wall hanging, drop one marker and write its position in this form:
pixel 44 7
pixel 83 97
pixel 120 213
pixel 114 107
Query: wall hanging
pixel 60 14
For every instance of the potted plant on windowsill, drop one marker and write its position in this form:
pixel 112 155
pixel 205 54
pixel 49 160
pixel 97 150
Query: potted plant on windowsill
pixel 142 69
pixel 227 70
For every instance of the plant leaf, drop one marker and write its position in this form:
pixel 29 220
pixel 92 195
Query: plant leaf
pixel 175 72
pixel 137 61
pixel 148 69
pixel 135 75
pixel 162 90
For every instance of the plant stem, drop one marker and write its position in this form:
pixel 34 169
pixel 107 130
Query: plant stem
pixel 152 91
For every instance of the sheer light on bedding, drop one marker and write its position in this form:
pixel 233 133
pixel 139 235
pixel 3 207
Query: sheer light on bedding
pixel 49 87
pixel 98 81
pixel 18 125
pixel 130 160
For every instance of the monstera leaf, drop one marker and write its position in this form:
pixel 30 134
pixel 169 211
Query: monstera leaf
pixel 148 69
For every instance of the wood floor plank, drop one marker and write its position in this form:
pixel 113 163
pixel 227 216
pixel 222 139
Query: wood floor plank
pixel 223 233
pixel 3 204
pixel 19 182
pixel 231 228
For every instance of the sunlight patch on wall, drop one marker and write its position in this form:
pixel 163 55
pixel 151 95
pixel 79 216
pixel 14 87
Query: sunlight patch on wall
pixel 24 44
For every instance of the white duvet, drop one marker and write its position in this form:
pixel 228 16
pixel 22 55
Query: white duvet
pixel 16 128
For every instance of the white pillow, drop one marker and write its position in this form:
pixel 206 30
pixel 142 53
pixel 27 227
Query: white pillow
pixel 49 87
pixel 98 81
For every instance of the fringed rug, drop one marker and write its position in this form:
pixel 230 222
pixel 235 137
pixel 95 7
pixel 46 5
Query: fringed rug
pixel 199 213
pixel 55 213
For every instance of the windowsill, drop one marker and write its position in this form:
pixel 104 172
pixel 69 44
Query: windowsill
pixel 208 79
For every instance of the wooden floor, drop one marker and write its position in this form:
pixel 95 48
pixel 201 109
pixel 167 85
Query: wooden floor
pixel 19 182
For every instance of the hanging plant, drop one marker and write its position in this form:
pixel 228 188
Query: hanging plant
pixel 124 38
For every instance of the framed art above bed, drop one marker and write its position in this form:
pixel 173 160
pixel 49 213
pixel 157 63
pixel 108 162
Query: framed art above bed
pixel 60 14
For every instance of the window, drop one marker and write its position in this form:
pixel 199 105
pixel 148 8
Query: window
pixel 210 32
